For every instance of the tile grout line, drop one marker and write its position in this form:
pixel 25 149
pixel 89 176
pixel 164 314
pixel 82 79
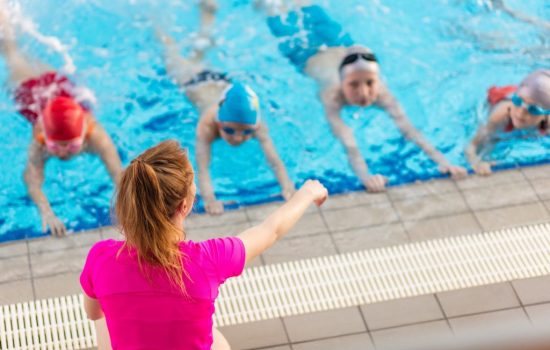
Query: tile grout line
pixel 30 270
pixel 536 193
pixel 520 302
pixel 444 313
pixel 366 325
pixel 400 219
pixel 470 210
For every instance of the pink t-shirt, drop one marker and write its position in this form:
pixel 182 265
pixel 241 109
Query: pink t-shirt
pixel 148 312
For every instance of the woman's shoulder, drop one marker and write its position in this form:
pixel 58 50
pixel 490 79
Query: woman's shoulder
pixel 105 247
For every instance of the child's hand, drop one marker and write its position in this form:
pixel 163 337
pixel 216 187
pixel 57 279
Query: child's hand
pixel 483 168
pixel 214 207
pixel 376 183
pixel 456 172
pixel 316 190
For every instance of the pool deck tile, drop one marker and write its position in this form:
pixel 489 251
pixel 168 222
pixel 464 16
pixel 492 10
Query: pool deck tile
pixel 419 189
pixel 71 241
pixel 204 233
pixel 360 216
pixel 495 180
pixel 296 248
pixel 353 199
pixel 437 205
pixel 415 335
pixel 536 172
pixel 256 334
pixel 15 268
pixel 53 263
pixel 12 249
pixel 478 299
pixel 539 314
pixel 525 214
pixel 56 285
pixel 506 195
pixel 492 322
pixel 371 237
pixel 328 323
pixel 533 290
pixel 542 187
pixel 16 292
pixel 360 341
pixel 442 227
pixel 402 312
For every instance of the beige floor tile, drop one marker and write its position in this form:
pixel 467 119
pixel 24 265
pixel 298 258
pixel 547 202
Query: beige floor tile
pixel 310 223
pixel 525 214
pixel 414 336
pixel 11 249
pixel 70 241
pixel 205 220
pixel 359 341
pixel 497 178
pixel 324 324
pixel 433 187
pixel 536 172
pixel 110 232
pixel 478 299
pixel 354 199
pixel 295 248
pixel 284 347
pixel 533 290
pixel 256 334
pixel 441 227
pixel 370 237
pixel 430 206
pixel 57 285
pixel 539 314
pixel 16 292
pixel 63 261
pixel 202 234
pixel 360 217
pixel 542 187
pixel 15 268
pixel 401 312
pixel 491 322
pixel 500 196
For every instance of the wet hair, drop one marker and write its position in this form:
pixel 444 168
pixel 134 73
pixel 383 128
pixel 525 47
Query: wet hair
pixel 149 194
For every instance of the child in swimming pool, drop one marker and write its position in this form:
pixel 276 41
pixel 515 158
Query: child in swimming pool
pixel 171 283
pixel 347 74
pixel 512 108
pixel 61 117
pixel 228 110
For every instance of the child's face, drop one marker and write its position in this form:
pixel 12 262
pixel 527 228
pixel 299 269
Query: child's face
pixel 521 118
pixel 236 133
pixel 361 88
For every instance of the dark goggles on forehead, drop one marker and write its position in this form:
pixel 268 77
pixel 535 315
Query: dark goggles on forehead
pixel 351 58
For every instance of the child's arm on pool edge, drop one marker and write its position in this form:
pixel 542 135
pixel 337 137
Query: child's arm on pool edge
pixel 287 186
pixel 258 238
pixel 373 183
pixel 203 154
pixel 390 104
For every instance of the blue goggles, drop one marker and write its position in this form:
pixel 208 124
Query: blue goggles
pixel 531 109
pixel 231 131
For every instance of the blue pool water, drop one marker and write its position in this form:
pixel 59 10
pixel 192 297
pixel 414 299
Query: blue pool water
pixel 437 59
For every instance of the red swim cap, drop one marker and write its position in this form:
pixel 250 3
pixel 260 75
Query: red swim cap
pixel 63 119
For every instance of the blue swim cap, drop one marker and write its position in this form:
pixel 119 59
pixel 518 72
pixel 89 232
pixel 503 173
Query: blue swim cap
pixel 240 105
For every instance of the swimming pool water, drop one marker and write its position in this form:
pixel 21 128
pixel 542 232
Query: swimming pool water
pixel 437 59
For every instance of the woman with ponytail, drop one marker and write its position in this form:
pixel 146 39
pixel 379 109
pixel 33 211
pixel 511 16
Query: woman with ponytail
pixel 156 289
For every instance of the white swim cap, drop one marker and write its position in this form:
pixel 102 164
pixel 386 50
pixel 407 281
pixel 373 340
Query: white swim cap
pixel 536 86
pixel 358 58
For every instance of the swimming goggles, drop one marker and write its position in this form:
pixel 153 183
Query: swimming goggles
pixel 72 146
pixel 232 131
pixel 531 109
pixel 351 58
